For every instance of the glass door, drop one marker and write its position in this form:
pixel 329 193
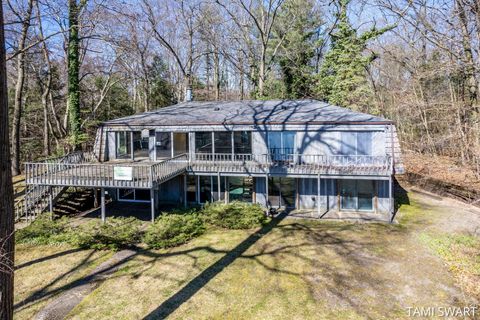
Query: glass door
pixel 357 195
pixel 281 192
pixel 274 192
pixel 365 195
pixel 348 195
pixel 288 192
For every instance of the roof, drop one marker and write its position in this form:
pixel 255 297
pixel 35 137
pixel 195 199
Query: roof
pixel 249 112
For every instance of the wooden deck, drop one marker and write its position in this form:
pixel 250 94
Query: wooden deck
pixel 84 173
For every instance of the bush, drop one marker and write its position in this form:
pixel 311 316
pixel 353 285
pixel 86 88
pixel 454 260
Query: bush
pixel 114 234
pixel 44 230
pixel 235 215
pixel 170 230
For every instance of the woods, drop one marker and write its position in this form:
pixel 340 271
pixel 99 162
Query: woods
pixel 71 65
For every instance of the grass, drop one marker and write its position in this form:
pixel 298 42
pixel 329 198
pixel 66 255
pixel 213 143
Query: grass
pixel 461 253
pixel 296 269
pixel 44 271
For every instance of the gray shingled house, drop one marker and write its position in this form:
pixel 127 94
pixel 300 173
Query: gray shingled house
pixel 303 155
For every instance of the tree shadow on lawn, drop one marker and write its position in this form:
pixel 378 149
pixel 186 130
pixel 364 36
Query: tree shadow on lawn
pixel 327 235
pixel 46 258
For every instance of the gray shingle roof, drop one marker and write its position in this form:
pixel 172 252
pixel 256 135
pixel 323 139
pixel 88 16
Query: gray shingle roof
pixel 248 112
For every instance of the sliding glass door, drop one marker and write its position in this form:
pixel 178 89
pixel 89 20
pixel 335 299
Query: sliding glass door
pixel 357 195
pixel 281 192
pixel 281 145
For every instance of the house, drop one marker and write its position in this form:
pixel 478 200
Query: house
pixel 303 155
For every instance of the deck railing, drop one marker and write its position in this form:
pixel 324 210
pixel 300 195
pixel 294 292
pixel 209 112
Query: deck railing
pixel 80 172
pixel 292 163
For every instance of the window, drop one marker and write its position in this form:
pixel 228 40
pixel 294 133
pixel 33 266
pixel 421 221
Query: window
pixel 356 143
pixel 223 142
pixel 356 195
pixel 122 143
pixel 180 143
pixel 163 145
pixel 240 189
pixel 281 192
pixel 242 142
pixel 203 142
pixel 134 195
pixel 281 144
pixel 140 144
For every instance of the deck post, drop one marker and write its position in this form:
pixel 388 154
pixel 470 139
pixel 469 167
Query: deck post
pixel 219 187
pixel 50 201
pixel 185 190
pixel 132 157
pixel 102 204
pixel 390 195
pixel 319 193
pixel 152 199
pixel 266 190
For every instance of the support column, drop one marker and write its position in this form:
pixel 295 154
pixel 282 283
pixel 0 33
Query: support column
pixel 172 150
pixel 132 157
pixel 266 190
pixel 227 193
pixel 319 195
pixel 219 186
pixel 390 193
pixel 152 203
pixel 197 189
pixel 50 201
pixel 102 204
pixel 185 186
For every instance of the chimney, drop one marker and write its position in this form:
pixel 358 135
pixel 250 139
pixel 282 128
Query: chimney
pixel 188 94
pixel 188 88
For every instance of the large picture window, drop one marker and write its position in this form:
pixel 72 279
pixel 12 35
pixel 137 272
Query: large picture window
pixel 281 144
pixel 223 142
pixel 356 143
pixel 356 195
pixel 242 142
pixel 163 145
pixel 122 143
pixel 203 142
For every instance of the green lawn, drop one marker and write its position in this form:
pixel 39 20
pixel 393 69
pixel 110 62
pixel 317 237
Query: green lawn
pixel 290 269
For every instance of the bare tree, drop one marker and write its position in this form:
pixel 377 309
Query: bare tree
pixel 6 190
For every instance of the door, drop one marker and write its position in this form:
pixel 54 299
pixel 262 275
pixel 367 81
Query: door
pixel 357 195
pixel 281 192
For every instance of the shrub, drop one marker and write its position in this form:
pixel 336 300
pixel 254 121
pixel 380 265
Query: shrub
pixel 170 230
pixel 234 215
pixel 114 234
pixel 44 230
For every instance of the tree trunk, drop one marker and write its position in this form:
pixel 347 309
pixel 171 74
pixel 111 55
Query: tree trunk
pixel 18 106
pixel 6 190
pixel 73 102
pixel 216 75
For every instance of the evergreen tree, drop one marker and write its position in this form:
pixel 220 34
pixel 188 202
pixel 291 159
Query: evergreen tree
pixel 297 25
pixel 298 48
pixel 73 58
pixel 342 75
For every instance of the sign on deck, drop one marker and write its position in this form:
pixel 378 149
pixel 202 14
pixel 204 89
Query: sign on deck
pixel 123 173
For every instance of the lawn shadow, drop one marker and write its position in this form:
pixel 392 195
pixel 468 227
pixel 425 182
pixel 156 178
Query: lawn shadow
pixel 401 197
pixel 192 287
pixel 46 258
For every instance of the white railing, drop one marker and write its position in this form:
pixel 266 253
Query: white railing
pixel 293 163
pixel 79 171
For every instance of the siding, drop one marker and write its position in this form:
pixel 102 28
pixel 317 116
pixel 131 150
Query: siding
pixel 259 142
pixel 261 192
